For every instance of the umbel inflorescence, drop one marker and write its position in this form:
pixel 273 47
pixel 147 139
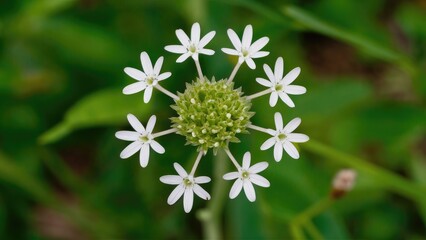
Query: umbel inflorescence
pixel 212 113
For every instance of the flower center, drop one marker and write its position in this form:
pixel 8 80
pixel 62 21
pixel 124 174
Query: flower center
pixel 150 80
pixel 279 87
pixel 244 52
pixel 245 174
pixel 144 138
pixel 282 136
pixel 211 113
pixel 187 182
pixel 192 48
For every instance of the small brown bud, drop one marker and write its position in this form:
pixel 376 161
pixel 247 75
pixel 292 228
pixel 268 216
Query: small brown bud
pixel 343 182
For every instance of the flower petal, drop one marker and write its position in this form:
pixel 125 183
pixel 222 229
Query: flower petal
pixel 246 160
pixel 157 66
pixel 231 175
pixel 188 200
pixel 259 54
pixel 176 194
pixel 135 123
pixel 144 155
pixel 278 119
pixel 247 36
pixel 147 95
pixel 286 99
pixel 292 125
pixel 249 191
pixel 295 89
pixel 183 38
pixel 297 137
pixel 230 51
pixel 258 167
pixel 291 76
pixel 250 63
pixel 259 180
pixel 206 39
pixel 202 179
pixel 127 135
pixel 195 56
pixel 135 73
pixel 236 188
pixel 195 33
pixel 273 99
pixel 146 63
pixel 259 44
pixel 206 51
pixel 201 192
pixel 134 88
pixel 278 151
pixel 131 149
pixel 157 147
pixel 151 124
pixel 234 39
pixel 163 76
pixel 171 179
pixel 264 82
pixel 179 169
pixel 268 143
pixel 183 57
pixel 291 150
pixel 176 49
pixel 269 73
pixel 279 68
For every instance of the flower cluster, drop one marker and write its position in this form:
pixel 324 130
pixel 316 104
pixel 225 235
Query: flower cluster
pixel 212 113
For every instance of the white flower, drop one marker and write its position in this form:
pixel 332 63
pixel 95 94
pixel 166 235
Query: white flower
pixel 246 176
pixel 146 79
pixel 142 139
pixel 245 49
pixel 284 138
pixel 187 185
pixel 191 47
pixel 281 86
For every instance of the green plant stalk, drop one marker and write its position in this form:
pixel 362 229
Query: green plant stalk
pixel 212 215
pixel 313 211
pixel 313 230
pixel 389 180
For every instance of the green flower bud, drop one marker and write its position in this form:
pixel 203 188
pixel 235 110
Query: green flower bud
pixel 211 113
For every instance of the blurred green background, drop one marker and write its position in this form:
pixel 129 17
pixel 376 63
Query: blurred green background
pixel 61 76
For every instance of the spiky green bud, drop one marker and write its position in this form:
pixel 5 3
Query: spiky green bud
pixel 211 114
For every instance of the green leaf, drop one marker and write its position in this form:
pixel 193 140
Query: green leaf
pixel 103 108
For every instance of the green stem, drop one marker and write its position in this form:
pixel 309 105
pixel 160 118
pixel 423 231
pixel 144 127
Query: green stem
pixel 313 230
pixel 313 210
pixel 296 231
pixel 212 215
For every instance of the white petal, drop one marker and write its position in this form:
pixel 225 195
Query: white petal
pixel 249 191
pixel 163 76
pixel 146 63
pixel 195 56
pixel 202 179
pixel 157 147
pixel 273 99
pixel 279 68
pixel 246 160
pixel 293 124
pixel 297 137
pixel 234 39
pixel 278 151
pixel 183 57
pixel 268 143
pixel 236 188
pixel 250 63
pixel 131 149
pixel 206 51
pixel 259 54
pixel 278 119
pixel 179 169
pixel 151 124
pixel 176 49
pixel 176 194
pixel 295 89
pixel 195 33
pixel 286 99
pixel 247 36
pixel 201 192
pixel 259 180
pixel 183 38
pixel 127 135
pixel 291 76
pixel 171 179
pixel 144 155
pixel 269 73
pixel 188 200
pixel 291 150
pixel 135 73
pixel 258 167
pixel 264 82
pixel 135 123
pixel 259 44
pixel 134 88
pixel 157 66
pixel 206 39
pixel 147 95
pixel 231 176
pixel 230 51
